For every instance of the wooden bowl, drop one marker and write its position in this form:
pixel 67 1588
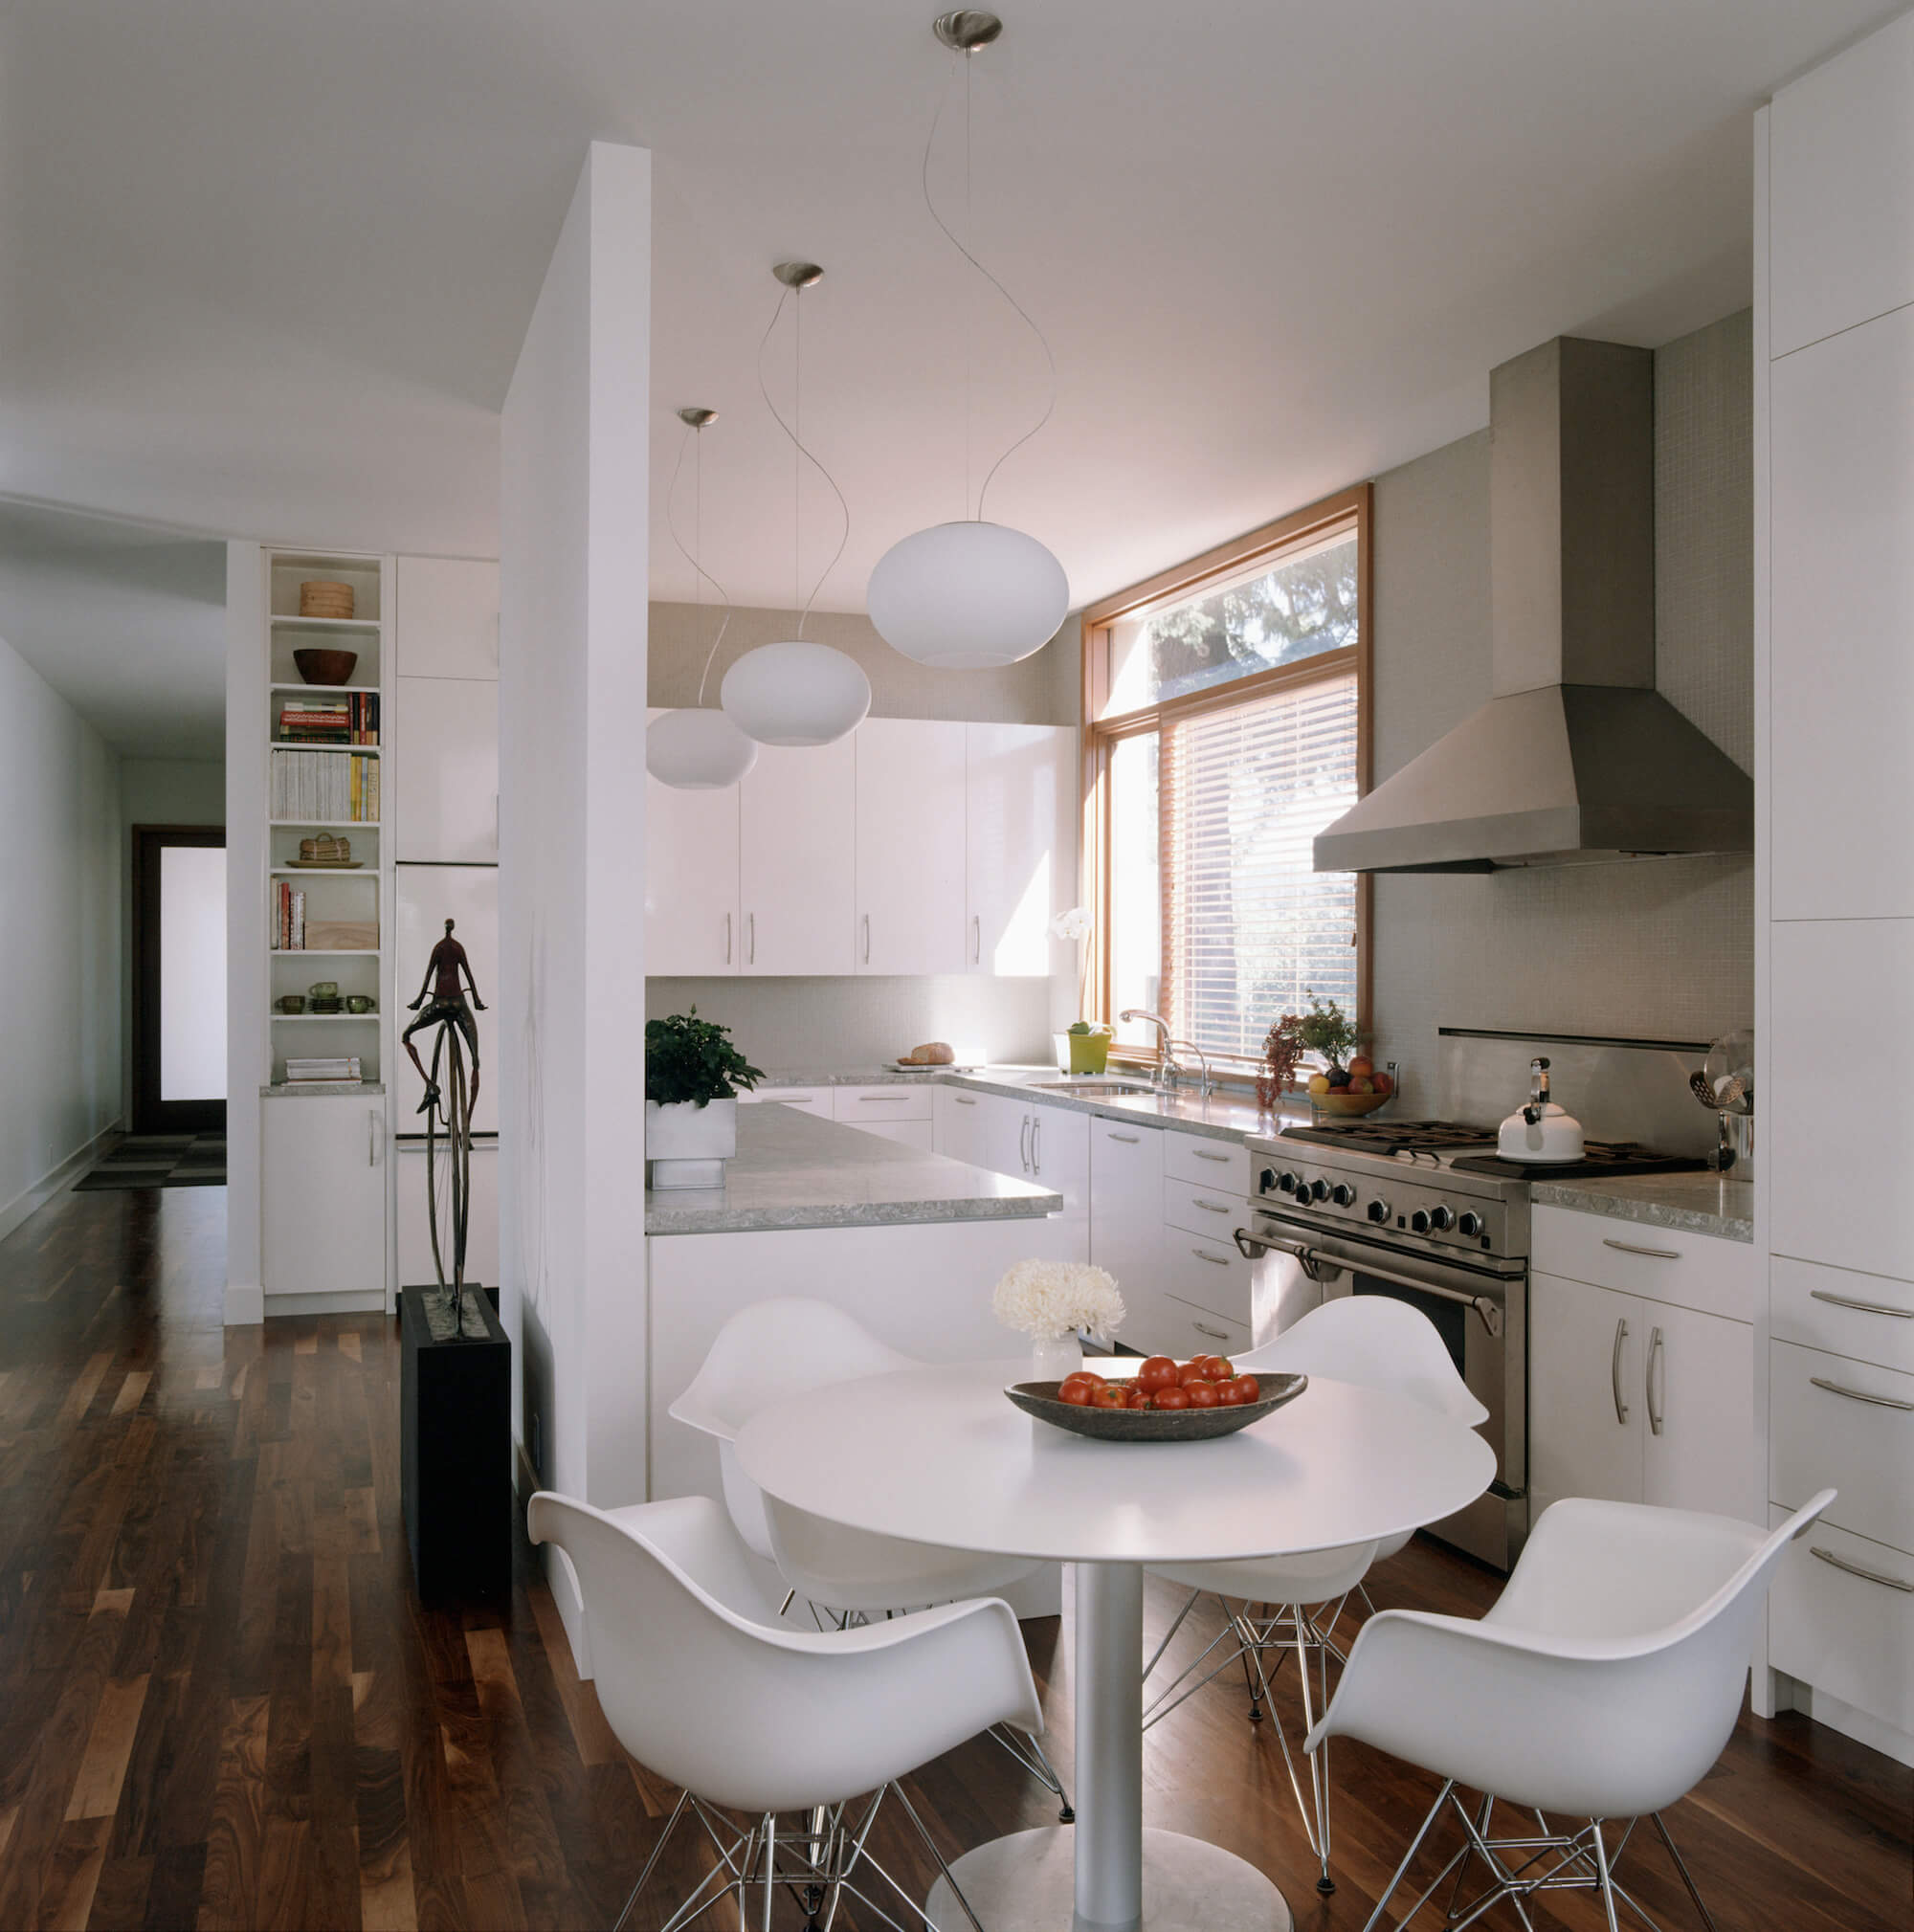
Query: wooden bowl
pixel 325 666
pixel 1341 1105
pixel 325 597
pixel 1153 1424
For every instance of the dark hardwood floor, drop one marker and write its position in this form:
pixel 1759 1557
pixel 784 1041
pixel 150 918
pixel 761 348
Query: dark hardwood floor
pixel 221 1707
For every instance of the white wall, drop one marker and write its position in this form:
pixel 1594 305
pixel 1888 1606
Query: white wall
pixel 155 791
pixel 572 656
pixel 59 938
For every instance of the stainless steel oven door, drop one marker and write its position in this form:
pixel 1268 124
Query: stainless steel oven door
pixel 1481 1313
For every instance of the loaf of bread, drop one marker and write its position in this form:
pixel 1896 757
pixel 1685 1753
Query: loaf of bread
pixel 935 1055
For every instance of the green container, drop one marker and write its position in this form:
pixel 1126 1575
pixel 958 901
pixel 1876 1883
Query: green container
pixel 1090 1053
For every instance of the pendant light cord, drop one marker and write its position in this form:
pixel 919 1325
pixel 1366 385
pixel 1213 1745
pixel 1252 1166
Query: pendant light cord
pixel 704 576
pixel 1042 343
pixel 799 456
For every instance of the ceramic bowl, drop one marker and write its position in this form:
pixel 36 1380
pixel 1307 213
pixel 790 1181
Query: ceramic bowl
pixel 1150 1425
pixel 325 666
pixel 292 1003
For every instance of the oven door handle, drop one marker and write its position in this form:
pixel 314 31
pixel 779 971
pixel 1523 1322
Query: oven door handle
pixel 1321 1267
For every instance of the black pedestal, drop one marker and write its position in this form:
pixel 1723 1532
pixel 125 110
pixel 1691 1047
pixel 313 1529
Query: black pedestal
pixel 455 1452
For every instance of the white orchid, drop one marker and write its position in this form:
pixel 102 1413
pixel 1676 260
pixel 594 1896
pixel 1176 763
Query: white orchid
pixel 1074 924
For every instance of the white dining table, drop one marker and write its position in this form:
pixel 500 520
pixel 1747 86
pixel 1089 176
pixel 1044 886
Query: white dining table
pixel 940 1455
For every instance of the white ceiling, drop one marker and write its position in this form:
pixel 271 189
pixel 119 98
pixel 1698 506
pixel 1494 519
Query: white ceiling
pixel 127 624
pixel 266 267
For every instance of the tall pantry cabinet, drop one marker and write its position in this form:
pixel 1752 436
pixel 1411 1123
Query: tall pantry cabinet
pixel 1834 870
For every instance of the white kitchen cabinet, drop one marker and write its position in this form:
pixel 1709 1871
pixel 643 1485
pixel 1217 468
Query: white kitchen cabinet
pixel 910 841
pixel 806 1099
pixel 1585 1428
pixel 1004 1140
pixel 958 1120
pixel 1059 1157
pixel 446 616
pixel 1698 1412
pixel 691 881
pixel 446 770
pixel 1020 857
pixel 1841 1617
pixel 1840 1149
pixel 893 1111
pixel 1846 1426
pixel 1840 217
pixel 797 821
pixel 1841 816
pixel 1126 1224
pixel 415 1226
pixel 322 1184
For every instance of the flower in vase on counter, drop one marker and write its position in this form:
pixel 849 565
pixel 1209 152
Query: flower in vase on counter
pixel 1045 1299
pixel 1075 926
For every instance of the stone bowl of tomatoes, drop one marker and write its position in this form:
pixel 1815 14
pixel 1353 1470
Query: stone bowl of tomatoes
pixel 1165 1401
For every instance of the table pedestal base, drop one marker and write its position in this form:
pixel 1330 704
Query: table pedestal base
pixel 1027 1884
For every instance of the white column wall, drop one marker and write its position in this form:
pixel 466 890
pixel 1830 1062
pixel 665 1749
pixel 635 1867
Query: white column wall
pixel 246 1065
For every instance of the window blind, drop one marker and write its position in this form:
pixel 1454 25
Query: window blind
pixel 1248 928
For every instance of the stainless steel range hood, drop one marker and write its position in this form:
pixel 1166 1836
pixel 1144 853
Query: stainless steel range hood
pixel 1577 757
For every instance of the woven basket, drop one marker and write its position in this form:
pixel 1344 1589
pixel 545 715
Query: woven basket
pixel 323 598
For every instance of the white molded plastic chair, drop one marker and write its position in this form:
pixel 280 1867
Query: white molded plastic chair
pixel 700 1687
pixel 1602 1685
pixel 766 1353
pixel 1381 1344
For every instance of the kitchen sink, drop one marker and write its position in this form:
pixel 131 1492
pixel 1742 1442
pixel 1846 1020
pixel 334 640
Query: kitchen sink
pixel 1086 1089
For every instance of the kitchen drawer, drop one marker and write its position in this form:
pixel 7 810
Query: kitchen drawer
pixel 863 1106
pixel 1849 1635
pixel 911 1133
pixel 1223 1165
pixel 813 1099
pixel 1209 1273
pixel 1702 1272
pixel 1817 1307
pixel 1818 1439
pixel 1203 1211
pixel 1192 1329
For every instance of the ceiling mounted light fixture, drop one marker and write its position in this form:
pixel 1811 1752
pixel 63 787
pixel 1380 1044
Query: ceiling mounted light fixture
pixel 796 692
pixel 697 750
pixel 970 595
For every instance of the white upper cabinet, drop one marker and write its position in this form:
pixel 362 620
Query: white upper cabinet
pixel 1842 191
pixel 691 926
pixel 446 770
pixel 1020 860
pixel 796 877
pixel 1841 813
pixel 910 835
pixel 447 615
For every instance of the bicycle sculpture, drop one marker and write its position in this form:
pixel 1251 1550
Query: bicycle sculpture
pixel 447 1109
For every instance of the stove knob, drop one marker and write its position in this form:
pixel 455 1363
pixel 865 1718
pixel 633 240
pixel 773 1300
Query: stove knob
pixel 1287 1182
pixel 1419 1221
pixel 1319 1191
pixel 1343 1195
pixel 1471 1225
pixel 1266 1181
pixel 1378 1211
pixel 1441 1217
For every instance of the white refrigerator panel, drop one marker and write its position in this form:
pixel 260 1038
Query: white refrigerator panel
pixel 428 895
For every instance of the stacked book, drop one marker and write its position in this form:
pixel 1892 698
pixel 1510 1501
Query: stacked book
pixel 340 1071
pixel 324 786
pixel 288 917
pixel 351 719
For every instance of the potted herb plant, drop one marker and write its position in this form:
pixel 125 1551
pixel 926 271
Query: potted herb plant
pixel 693 1072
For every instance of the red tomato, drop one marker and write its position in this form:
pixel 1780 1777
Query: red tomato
pixel 1229 1393
pixel 1077 1394
pixel 1081 1379
pixel 1159 1372
pixel 1220 1368
pixel 1192 1372
pixel 1202 1394
pixel 1109 1395
pixel 1138 1398
pixel 1251 1389
pixel 1174 1397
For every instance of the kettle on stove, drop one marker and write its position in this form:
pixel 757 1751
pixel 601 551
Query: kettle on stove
pixel 1540 1132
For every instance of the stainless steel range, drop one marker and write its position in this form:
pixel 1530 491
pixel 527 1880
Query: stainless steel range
pixel 1424 1212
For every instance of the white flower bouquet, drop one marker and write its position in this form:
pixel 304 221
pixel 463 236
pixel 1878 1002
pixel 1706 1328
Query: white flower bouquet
pixel 1049 1299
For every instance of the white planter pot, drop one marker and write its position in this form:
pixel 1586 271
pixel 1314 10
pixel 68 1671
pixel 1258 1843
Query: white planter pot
pixel 686 1146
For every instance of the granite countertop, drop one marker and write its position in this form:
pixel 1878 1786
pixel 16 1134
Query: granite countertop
pixel 794 1170
pixel 1702 1204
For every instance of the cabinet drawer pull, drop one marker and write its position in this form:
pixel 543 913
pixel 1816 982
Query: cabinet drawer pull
pixel 1128 1140
pixel 964 1100
pixel 1036 1143
pixel 1214 1334
pixel 1614 1372
pixel 1023 1143
pixel 1648 1382
pixel 1214 1260
pixel 1859 1394
pixel 1828 1556
pixel 1656 1254
pixel 1204 1154
pixel 1212 1206
pixel 1865 1307
pixel 867 938
pixel 750 939
pixel 977 944
pixel 882 1100
pixel 727 939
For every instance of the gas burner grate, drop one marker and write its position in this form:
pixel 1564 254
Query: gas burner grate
pixel 1599 1157
pixel 1395 1137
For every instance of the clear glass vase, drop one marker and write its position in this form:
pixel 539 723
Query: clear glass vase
pixel 1053 1357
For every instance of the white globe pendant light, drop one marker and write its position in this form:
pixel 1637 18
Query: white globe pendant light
pixel 696 751
pixel 970 595
pixel 795 692
pixel 967 596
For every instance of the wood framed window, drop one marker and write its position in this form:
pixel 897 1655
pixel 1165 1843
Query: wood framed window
pixel 1226 708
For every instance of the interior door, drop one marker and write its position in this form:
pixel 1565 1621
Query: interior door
pixel 179 990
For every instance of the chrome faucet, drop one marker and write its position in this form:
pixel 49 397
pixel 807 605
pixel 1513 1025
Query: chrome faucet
pixel 1206 1081
pixel 1165 1061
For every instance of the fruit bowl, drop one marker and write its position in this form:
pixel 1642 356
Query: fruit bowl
pixel 319 666
pixel 1153 1424
pixel 1343 1105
